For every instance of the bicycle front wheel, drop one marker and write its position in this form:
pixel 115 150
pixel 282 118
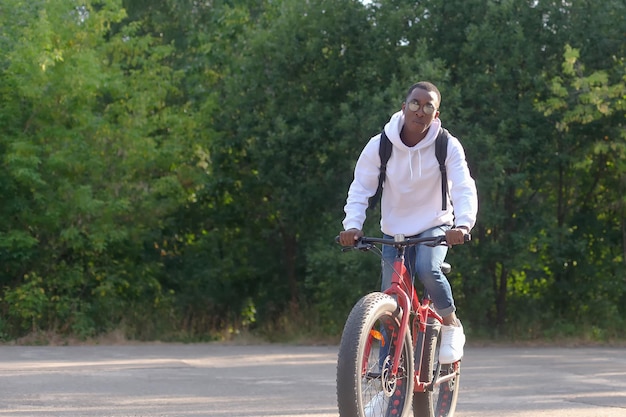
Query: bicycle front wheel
pixel 441 399
pixel 365 386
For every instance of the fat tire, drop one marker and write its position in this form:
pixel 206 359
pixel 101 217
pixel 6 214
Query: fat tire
pixel 442 401
pixel 371 313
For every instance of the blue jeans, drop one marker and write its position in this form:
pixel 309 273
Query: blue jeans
pixel 425 261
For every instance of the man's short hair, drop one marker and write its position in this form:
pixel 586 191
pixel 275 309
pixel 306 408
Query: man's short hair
pixel 425 85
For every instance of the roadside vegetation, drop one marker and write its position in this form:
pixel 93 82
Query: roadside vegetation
pixel 175 170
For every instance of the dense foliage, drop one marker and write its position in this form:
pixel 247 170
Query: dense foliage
pixel 177 169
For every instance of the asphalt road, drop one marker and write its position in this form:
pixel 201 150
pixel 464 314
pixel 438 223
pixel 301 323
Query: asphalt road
pixel 284 381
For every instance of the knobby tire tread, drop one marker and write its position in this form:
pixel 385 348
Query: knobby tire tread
pixel 426 404
pixel 366 312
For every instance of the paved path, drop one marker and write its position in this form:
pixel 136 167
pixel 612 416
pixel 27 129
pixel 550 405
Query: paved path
pixel 289 381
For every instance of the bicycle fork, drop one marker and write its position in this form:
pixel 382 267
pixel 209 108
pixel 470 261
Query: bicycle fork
pixel 404 306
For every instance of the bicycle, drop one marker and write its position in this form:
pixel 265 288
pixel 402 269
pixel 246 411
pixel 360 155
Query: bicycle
pixel 388 356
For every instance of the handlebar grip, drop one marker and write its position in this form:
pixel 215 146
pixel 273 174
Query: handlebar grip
pixel 467 237
pixel 344 248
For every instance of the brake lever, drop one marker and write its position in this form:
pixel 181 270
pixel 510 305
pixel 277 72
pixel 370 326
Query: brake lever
pixel 363 246
pixel 439 241
pixel 359 246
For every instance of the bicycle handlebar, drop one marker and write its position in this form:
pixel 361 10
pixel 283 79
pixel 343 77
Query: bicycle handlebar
pixel 365 242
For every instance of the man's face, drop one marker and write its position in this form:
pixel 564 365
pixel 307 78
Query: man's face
pixel 416 110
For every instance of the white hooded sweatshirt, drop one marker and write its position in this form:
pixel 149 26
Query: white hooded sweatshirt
pixel 411 199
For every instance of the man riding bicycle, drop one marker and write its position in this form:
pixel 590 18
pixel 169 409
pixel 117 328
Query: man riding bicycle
pixel 411 202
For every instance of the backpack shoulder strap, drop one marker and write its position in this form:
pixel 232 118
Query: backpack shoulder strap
pixel 384 151
pixel 441 151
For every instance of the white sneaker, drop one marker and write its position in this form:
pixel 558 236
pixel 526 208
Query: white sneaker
pixel 452 342
pixel 377 405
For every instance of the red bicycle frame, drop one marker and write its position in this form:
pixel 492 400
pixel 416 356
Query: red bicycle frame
pixel 403 290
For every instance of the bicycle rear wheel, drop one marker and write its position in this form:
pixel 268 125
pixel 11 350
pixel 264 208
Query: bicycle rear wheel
pixel 441 400
pixel 365 387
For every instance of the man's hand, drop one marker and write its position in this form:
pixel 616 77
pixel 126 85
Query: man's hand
pixel 349 237
pixel 456 236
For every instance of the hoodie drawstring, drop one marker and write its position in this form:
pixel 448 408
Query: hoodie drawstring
pixel 419 154
pixel 419 157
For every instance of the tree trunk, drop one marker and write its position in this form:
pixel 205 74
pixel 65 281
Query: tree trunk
pixel 501 299
pixel 291 243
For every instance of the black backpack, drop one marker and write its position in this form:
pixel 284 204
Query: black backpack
pixel 441 151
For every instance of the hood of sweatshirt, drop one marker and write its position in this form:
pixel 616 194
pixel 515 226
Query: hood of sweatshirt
pixel 407 153
pixel 411 199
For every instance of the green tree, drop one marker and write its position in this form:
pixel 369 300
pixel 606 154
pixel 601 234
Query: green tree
pixel 90 164
pixel 181 167
pixel 588 109
pixel 496 53
pixel 289 72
